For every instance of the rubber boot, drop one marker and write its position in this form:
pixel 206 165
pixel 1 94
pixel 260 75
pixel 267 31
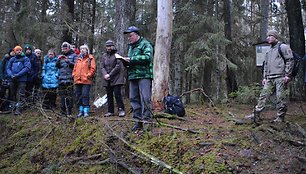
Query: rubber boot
pixel 81 111
pixel 86 111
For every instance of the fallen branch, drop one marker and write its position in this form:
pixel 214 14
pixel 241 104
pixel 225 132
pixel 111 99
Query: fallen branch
pixel 84 158
pixel 161 124
pixel 284 138
pixel 202 91
pixel 168 116
pixel 152 158
pixel 179 128
pixel 46 136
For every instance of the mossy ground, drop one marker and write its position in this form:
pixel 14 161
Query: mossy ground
pixel 36 143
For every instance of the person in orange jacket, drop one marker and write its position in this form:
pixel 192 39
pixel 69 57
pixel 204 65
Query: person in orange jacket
pixel 83 73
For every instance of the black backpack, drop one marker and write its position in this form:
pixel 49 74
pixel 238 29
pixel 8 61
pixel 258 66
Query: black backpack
pixel 296 58
pixel 174 105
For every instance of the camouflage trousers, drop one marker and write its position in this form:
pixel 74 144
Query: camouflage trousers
pixel 278 85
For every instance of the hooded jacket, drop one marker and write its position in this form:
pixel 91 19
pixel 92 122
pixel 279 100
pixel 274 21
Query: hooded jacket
pixel 19 66
pixel 84 69
pixel 50 73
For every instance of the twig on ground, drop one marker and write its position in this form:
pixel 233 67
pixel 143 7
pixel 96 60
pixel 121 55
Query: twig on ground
pixel 202 91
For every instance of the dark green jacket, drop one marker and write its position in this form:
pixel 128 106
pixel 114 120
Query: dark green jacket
pixel 141 63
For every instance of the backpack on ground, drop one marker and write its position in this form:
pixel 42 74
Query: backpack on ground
pixel 296 58
pixel 174 105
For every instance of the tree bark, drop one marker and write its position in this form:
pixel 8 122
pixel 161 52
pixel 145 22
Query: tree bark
pixel 297 44
pixel 162 53
pixel 231 73
pixel 125 16
pixel 264 9
pixel 69 5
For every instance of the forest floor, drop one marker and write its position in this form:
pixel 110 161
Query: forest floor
pixel 207 140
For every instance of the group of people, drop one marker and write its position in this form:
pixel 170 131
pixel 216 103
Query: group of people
pixel 70 74
pixel 23 72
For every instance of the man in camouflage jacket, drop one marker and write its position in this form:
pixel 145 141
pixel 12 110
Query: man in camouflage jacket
pixel 276 75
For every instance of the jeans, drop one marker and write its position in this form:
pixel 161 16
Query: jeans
pixel 111 90
pixel 140 98
pixel 82 94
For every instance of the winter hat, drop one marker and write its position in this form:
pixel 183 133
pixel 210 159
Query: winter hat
pixel 17 48
pixel 28 47
pixel 86 47
pixel 65 45
pixel 131 29
pixel 37 51
pixel 109 43
pixel 11 49
pixel 273 33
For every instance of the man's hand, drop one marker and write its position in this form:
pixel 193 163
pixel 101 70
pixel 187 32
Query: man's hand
pixel 287 79
pixel 264 81
pixel 107 77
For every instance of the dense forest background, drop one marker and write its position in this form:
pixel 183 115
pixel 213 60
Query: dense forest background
pixel 212 40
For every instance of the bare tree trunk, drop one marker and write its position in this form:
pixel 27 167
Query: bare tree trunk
pixel 69 5
pixel 297 43
pixel 162 53
pixel 92 26
pixel 231 73
pixel 264 6
pixel 125 16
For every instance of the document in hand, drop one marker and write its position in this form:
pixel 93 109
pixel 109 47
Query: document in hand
pixel 118 56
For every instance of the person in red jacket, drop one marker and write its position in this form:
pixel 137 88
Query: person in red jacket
pixel 83 73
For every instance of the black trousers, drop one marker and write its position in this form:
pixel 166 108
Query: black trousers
pixel 111 90
pixel 66 93
pixel 49 97
pixel 4 96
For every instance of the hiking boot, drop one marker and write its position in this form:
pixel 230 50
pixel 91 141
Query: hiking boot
pixel 121 112
pixel 279 119
pixel 109 114
pixel 256 117
pixel 85 114
pixel 17 112
pixel 137 126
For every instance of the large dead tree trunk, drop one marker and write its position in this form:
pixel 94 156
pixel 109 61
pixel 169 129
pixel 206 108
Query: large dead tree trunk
pixel 162 53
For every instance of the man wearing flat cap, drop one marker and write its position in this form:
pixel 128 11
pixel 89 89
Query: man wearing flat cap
pixel 276 75
pixel 140 75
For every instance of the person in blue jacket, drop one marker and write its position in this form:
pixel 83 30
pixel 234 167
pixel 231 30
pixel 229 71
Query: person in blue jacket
pixel 17 69
pixel 50 80
pixel 5 82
